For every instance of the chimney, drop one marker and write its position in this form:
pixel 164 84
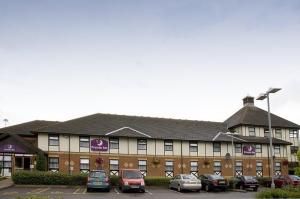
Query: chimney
pixel 248 101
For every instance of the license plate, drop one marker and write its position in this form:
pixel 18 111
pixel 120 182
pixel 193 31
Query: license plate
pixel 252 186
pixel 98 183
pixel 134 186
pixel 221 182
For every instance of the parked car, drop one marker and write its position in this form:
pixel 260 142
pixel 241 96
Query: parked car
pixel 185 182
pixel 247 182
pixel 131 179
pixel 98 179
pixel 212 182
pixel 283 180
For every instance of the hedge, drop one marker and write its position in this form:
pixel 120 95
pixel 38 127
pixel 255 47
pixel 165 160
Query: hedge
pixel 51 178
pixel 48 178
pixel 286 192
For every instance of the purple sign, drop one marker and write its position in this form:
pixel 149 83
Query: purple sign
pixel 99 145
pixel 8 148
pixel 249 150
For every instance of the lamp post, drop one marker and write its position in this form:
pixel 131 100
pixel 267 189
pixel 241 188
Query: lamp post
pixel 263 96
pixel 229 134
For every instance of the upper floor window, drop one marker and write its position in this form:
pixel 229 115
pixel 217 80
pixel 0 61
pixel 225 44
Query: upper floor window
pixel 266 132
pixel 113 143
pixel 193 146
pixel 251 131
pixel 84 142
pixel 142 144
pixel 293 134
pixel 294 149
pixel 258 148
pixel 216 147
pixel 277 149
pixel 168 145
pixel 278 133
pixel 238 148
pixel 53 140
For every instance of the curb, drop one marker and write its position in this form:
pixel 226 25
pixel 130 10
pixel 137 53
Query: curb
pixel 53 186
pixel 237 190
pixel 5 187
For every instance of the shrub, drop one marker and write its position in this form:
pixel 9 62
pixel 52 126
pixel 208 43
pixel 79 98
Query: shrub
pixel 264 181
pixel 40 162
pixel 232 183
pixel 287 192
pixel 157 181
pixel 48 178
pixel 114 180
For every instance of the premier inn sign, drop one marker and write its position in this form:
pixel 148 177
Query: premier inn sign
pixel 249 150
pixel 99 145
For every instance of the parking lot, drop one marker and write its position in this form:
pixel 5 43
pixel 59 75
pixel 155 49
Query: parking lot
pixel 80 192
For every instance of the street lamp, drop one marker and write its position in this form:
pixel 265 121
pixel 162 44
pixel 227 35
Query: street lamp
pixel 229 134
pixel 263 96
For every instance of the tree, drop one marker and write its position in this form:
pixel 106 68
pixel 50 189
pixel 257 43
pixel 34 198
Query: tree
pixel 41 162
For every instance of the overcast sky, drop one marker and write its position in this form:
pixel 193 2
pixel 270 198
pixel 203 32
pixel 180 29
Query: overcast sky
pixel 175 59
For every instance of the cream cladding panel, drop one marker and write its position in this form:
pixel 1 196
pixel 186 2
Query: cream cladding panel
pixel 43 141
pixel 132 146
pixel 74 143
pixel 123 145
pixel 201 149
pixel 151 147
pixel 185 148
pixel 160 147
pixel 64 142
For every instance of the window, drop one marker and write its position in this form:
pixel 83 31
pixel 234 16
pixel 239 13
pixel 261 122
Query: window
pixel 217 167
pixel 238 168
pixel 238 148
pixel 193 146
pixel 168 145
pixel 53 140
pixel 114 167
pixel 293 133
pixel 277 149
pixel 84 142
pixel 169 169
pixel 251 131
pixel 278 133
pixel 84 165
pixel 216 147
pixel 113 143
pixel 277 168
pixel 294 149
pixel 143 167
pixel 259 169
pixel 266 132
pixel 142 144
pixel 194 168
pixel 258 148
pixel 53 164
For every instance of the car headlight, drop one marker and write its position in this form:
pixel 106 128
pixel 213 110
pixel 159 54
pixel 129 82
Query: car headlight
pixel 125 183
pixel 142 183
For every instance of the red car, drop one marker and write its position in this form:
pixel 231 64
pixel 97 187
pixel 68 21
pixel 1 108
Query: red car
pixel 131 179
pixel 283 180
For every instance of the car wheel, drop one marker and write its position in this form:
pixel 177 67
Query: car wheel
pixel 143 190
pixel 241 187
pixel 88 189
pixel 179 188
pixel 170 187
pixel 255 189
pixel 198 190
pixel 108 190
pixel 207 188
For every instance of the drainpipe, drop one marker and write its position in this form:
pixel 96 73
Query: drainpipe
pixel 69 155
pixel 181 158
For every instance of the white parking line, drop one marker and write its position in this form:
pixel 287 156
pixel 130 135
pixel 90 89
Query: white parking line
pixel 9 193
pixel 77 190
pixel 149 192
pixel 38 190
pixel 42 190
pixel 115 189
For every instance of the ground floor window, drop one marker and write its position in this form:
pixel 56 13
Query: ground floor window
pixel 259 169
pixel 114 167
pixel 5 164
pixel 53 164
pixel 169 171
pixel 277 168
pixel 194 168
pixel 84 165
pixel 143 167
pixel 217 167
pixel 238 168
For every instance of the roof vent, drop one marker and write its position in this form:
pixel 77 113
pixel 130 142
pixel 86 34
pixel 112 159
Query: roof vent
pixel 248 101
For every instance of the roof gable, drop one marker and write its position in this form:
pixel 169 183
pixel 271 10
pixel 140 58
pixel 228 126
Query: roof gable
pixel 127 132
pixel 252 115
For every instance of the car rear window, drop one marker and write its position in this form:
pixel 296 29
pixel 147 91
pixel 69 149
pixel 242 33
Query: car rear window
pixel 189 177
pixel 97 174
pixel 132 175
pixel 294 177
pixel 216 177
pixel 249 178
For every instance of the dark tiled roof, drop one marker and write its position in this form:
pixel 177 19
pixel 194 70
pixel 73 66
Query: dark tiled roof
pixel 252 115
pixel 143 127
pixel 27 146
pixel 26 128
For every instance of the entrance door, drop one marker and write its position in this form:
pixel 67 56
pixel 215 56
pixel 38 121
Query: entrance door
pixel 26 163
pixel 6 163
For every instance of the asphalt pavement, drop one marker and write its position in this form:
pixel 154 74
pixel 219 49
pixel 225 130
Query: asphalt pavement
pixel 81 193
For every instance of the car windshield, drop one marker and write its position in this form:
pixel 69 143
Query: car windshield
pixel 97 174
pixel 216 177
pixel 249 178
pixel 132 175
pixel 293 177
pixel 189 177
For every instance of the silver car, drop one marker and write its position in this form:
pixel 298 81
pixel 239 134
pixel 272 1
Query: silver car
pixel 185 182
